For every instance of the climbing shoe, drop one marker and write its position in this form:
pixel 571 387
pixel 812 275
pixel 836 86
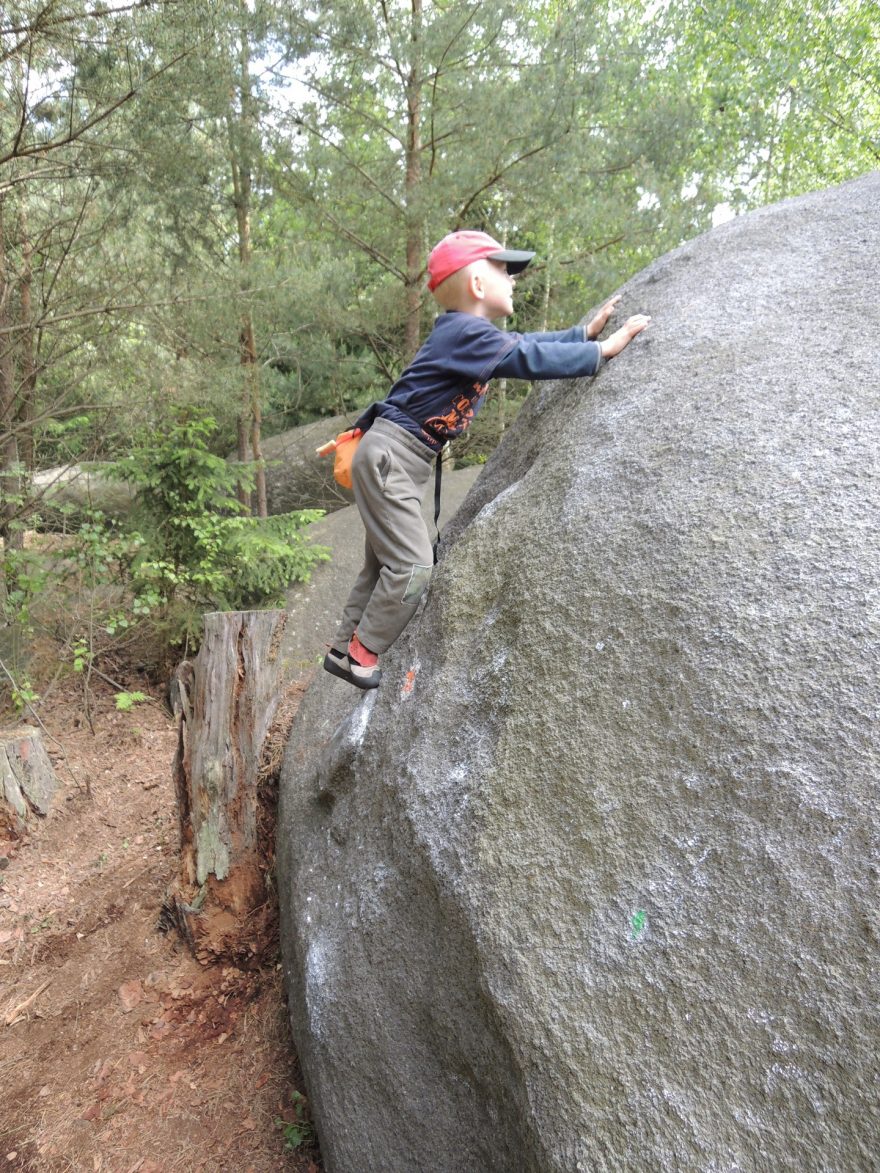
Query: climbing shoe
pixel 349 666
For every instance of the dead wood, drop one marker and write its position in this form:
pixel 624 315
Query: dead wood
pixel 27 779
pixel 230 700
pixel 16 1012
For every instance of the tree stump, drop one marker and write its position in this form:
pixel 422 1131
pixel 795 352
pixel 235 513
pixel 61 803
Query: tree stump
pixel 27 780
pixel 235 702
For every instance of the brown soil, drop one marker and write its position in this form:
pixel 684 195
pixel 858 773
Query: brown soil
pixel 126 1055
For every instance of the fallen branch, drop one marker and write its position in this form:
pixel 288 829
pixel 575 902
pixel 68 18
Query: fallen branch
pixel 12 1016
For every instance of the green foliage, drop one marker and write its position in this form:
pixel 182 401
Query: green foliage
pixel 322 359
pixel 65 440
pixel 24 695
pixel 299 1131
pixel 600 143
pixel 789 92
pixel 194 547
pixel 125 702
pixel 25 576
pixel 81 655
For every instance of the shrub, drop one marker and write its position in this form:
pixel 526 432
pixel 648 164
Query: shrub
pixel 196 549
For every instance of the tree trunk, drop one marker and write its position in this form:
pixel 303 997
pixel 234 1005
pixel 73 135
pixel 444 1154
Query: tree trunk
pixel 27 352
pixel 241 146
pixel 10 479
pixel 413 181
pixel 257 438
pixel 243 494
pixel 27 780
pixel 252 391
pixel 549 255
pixel 235 702
pixel 246 343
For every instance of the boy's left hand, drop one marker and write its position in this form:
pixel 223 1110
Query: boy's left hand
pixel 597 325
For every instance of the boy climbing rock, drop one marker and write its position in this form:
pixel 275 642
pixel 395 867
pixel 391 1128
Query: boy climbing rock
pixel 472 277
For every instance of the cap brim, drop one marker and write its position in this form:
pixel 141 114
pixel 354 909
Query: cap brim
pixel 515 259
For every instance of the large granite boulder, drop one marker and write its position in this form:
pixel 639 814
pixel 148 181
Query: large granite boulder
pixel 592 881
pixel 68 493
pixel 296 478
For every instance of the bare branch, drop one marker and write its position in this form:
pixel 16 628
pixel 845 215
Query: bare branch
pixel 395 63
pixel 370 250
pixel 591 252
pixel 498 175
pixel 374 253
pixel 43 175
pixel 73 135
pixel 380 358
pixel 438 73
pixel 41 25
pixel 23 120
pixel 866 79
pixel 335 100
pixel 110 309
pixel 54 412
pixel 328 39
pixel 65 251
pixel 365 175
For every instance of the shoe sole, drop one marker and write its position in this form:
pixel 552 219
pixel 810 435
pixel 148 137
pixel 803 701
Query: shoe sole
pixel 333 666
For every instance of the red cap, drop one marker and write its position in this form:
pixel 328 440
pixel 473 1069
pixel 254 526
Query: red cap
pixel 463 248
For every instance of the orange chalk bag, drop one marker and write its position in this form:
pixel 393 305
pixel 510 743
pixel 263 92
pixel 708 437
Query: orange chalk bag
pixel 343 449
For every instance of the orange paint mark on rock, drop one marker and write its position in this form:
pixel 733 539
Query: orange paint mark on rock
pixel 409 683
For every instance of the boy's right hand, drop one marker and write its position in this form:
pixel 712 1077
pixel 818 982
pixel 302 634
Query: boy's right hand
pixel 621 338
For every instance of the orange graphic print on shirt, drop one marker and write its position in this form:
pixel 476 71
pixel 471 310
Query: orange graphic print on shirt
pixel 463 409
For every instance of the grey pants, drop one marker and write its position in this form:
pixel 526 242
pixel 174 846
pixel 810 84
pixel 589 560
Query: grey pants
pixel 390 472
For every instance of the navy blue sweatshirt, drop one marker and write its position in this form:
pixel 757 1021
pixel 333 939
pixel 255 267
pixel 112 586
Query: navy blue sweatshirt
pixel 443 387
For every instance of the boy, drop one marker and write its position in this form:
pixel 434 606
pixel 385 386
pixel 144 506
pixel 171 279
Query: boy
pixel 434 400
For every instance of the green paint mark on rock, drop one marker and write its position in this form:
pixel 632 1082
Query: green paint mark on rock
pixel 638 923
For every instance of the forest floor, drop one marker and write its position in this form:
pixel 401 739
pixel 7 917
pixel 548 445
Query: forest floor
pixel 119 1053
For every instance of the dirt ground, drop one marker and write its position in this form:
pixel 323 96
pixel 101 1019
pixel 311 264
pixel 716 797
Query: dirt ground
pixel 119 1052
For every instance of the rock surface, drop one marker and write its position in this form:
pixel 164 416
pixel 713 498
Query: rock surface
pixel 591 882
pixel 296 478
pixel 68 492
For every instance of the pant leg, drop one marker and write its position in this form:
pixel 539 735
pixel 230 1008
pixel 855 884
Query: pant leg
pixel 391 471
pixel 364 586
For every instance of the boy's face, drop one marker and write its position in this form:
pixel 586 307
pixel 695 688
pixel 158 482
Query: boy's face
pixel 497 288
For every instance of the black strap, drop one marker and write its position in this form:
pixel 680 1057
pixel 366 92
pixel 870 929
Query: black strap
pixel 438 475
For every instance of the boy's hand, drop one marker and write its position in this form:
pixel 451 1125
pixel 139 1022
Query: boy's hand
pixel 621 338
pixel 597 325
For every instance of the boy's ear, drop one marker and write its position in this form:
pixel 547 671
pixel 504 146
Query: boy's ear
pixel 475 285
